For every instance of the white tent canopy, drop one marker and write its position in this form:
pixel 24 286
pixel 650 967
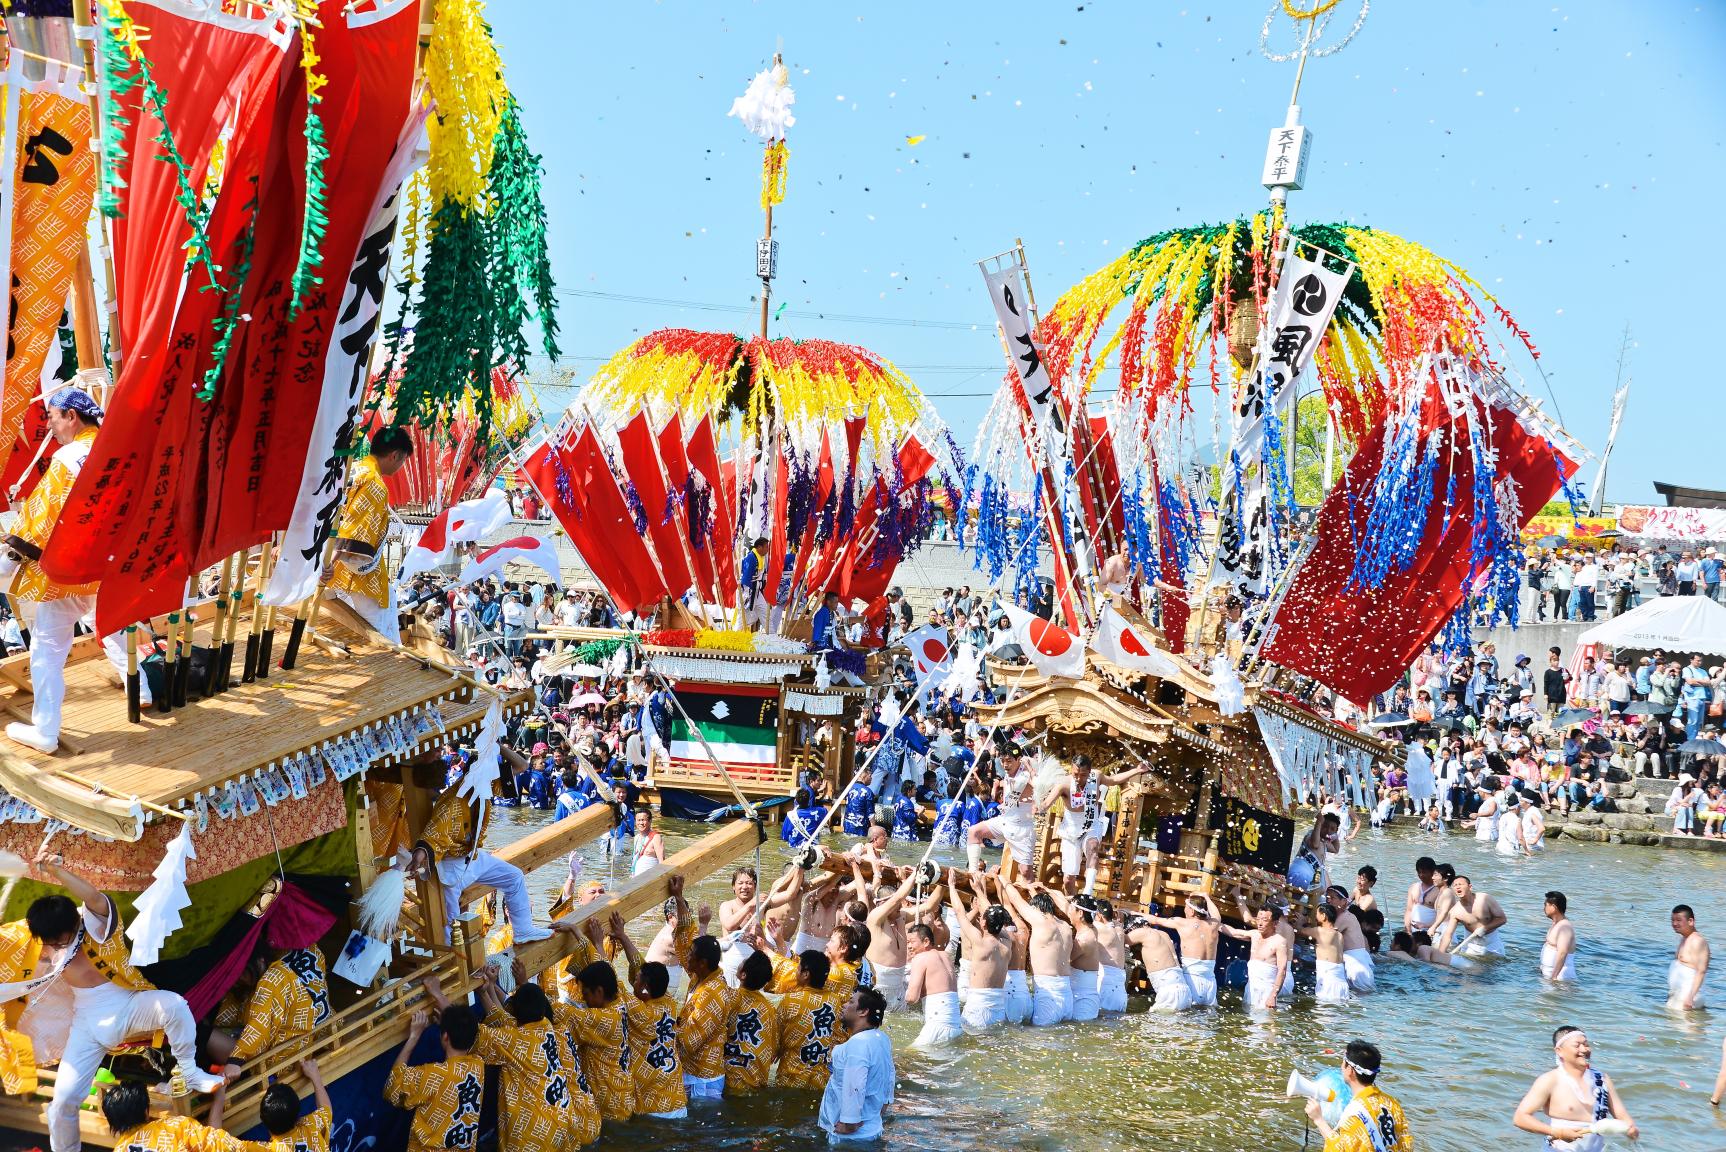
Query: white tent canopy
pixel 1671 623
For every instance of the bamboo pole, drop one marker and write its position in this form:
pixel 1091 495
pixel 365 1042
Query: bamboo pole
pixel 134 693
pixel 225 666
pixel 84 316
pixel 188 620
pixel 266 568
pixel 165 698
pixel 222 591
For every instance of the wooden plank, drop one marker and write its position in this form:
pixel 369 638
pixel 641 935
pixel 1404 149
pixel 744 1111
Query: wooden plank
pixel 640 893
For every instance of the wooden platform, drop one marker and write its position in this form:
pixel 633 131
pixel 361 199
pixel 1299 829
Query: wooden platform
pixel 340 684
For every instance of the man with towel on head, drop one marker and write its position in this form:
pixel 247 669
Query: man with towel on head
pixel 73 418
pixel 1197 929
pixel 356 574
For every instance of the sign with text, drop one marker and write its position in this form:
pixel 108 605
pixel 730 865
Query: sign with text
pixel 1251 835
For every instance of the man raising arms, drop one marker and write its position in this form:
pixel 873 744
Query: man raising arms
pixel 1198 929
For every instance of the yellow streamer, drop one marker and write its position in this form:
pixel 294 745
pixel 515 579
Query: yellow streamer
pixel 465 76
pixel 773 174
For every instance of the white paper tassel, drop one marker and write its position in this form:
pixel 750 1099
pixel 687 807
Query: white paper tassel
pixel 1231 693
pixel 765 106
pixel 13 866
pixel 156 915
pixel 381 906
pixel 476 785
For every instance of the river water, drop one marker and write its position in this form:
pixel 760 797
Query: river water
pixel 1459 1050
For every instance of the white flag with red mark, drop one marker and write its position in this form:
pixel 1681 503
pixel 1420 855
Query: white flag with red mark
pixel 458 524
pixel 516 550
pixel 930 651
pixel 1051 648
pixel 1118 642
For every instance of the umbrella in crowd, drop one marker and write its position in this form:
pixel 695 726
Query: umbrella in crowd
pixel 1647 708
pixel 1703 747
pixel 1572 716
pixel 1389 720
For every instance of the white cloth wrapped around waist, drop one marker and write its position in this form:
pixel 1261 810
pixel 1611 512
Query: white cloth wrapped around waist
pixel 808 942
pixel 1547 955
pixel 1111 988
pixel 1332 986
pixel 1486 828
pixel 732 953
pixel 1588 1143
pixel 1261 982
pixel 1086 1001
pixel 890 982
pixel 1422 916
pixel 1680 979
pixel 1361 975
pixel 1202 977
pixel 1491 944
pixel 1018 996
pixel 985 1008
pixel 942 1022
pixel 1173 992
pixel 1051 1000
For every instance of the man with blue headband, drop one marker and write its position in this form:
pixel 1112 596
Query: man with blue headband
pixel 73 417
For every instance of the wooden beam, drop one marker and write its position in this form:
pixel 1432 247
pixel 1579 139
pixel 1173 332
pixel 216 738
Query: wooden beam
pixel 550 843
pixel 640 893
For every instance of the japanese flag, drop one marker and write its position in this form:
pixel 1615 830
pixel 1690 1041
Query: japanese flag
pixel 459 524
pixel 1118 642
pixel 516 550
pixel 930 651
pixel 1051 648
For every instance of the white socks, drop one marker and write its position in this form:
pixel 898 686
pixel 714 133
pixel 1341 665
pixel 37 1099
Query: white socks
pixel 974 855
pixel 1090 880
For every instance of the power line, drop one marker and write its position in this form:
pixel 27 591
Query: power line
pixel 835 317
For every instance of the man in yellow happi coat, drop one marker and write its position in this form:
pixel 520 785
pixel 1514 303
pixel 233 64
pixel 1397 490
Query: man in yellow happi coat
pixel 126 1107
pixel 84 949
pixel 356 574
pixel 450 846
pixel 73 418
pixel 445 1097
pixel 291 999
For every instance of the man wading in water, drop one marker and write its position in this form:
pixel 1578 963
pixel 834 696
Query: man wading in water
pixel 1574 1097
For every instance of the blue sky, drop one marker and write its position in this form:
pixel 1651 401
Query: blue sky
pixel 1565 154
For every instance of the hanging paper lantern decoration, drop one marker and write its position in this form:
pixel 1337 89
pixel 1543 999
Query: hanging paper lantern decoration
pixel 765 109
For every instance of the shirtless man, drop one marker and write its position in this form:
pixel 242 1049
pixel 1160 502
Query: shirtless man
pixel 820 906
pixel 1332 984
pixel 738 915
pixel 1308 866
pixel 1690 967
pixel 1051 954
pixel 1480 914
pixel 1356 956
pixel 1417 911
pixel 1418 946
pixel 664 950
pixel 1445 898
pixel 1364 882
pixel 1014 827
pixel 1173 992
pixel 1269 959
pixel 1087 957
pixel 887 952
pixel 83 948
pixel 873 846
pixel 929 982
pixel 1558 953
pixel 1574 1097
pixel 1112 959
pixel 1198 929
pixel 1079 826
pixel 982 933
pixel 1019 1004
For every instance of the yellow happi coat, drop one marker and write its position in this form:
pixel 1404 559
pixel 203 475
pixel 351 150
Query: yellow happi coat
pixel 310 1134
pixel 37 518
pixel 365 520
pixel 751 1042
pixel 602 1037
pixel 538 1084
pixel 177 1134
pixel 701 1026
pixel 445 1098
pixel 292 998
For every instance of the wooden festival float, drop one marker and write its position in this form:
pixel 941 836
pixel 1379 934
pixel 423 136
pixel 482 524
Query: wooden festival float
pixel 289 749
pixel 1370 465
pixel 685 449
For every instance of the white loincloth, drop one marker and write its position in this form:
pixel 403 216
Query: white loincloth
pixel 1073 855
pixel 1680 978
pixel 985 1008
pixel 963 979
pixel 1202 978
pixel 1486 828
pixel 1332 982
pixel 732 953
pixel 1422 916
pixel 1112 989
pixel 1018 996
pixel 941 1020
pixel 1051 1000
pixel 1260 975
pixel 808 943
pixel 1173 992
pixel 1361 977
pixel 1568 972
pixel 1489 945
pixel 890 982
pixel 1288 978
pixel 703 1087
pixel 1086 1001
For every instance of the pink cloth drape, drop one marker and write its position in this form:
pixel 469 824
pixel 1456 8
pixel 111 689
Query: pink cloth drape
pixel 293 919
